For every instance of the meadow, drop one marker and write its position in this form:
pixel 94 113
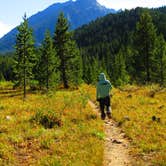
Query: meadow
pixel 61 129
pixel 57 129
pixel 141 113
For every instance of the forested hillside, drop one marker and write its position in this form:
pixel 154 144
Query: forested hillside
pixel 111 43
pixel 128 46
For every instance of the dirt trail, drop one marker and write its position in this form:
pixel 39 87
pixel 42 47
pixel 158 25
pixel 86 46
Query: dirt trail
pixel 116 145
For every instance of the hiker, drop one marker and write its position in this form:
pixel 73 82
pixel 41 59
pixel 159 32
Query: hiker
pixel 103 95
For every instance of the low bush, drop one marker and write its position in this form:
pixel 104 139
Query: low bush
pixel 47 118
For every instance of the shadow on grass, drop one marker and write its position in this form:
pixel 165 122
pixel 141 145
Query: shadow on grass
pixel 4 93
pixel 9 91
pixel 11 95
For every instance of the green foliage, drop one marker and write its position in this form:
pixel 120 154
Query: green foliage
pixel 47 118
pixel 99 135
pixel 124 46
pixel 6 67
pixel 105 38
pixel 74 73
pixel 145 40
pixel 24 57
pixel 1 108
pixel 2 77
pixel 121 76
pixel 34 85
pixel 70 62
pixel 159 67
pixel 91 69
pixel 47 73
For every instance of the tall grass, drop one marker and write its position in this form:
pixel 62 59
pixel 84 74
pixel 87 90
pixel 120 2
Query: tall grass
pixel 141 113
pixel 55 130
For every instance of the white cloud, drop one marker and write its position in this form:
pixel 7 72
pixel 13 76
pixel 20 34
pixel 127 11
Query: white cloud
pixel 128 4
pixel 4 28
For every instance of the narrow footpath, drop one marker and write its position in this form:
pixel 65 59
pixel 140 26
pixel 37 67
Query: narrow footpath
pixel 116 151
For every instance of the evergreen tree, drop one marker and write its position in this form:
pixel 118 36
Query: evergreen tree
pixel 87 69
pixel 48 63
pixel 120 74
pixel 74 73
pixel 129 53
pixel 160 61
pixel 107 59
pixel 145 45
pixel 24 57
pixel 92 67
pixel 67 52
pixel 95 69
pixel 105 36
pixel 6 66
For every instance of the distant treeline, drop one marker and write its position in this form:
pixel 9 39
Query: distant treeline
pixel 128 46
pixel 6 67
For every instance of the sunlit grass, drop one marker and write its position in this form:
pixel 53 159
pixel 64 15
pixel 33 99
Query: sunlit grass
pixel 55 129
pixel 77 136
pixel 141 113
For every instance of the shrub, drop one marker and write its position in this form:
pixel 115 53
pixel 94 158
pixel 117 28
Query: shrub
pixel 34 85
pixel 2 107
pixel 47 118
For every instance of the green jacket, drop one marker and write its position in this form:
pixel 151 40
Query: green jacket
pixel 103 87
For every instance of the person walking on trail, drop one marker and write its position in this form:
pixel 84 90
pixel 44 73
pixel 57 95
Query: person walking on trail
pixel 103 95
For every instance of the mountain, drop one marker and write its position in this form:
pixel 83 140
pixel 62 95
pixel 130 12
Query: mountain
pixel 77 12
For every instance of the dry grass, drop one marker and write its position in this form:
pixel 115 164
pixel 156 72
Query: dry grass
pixel 141 113
pixel 27 136
pixel 76 138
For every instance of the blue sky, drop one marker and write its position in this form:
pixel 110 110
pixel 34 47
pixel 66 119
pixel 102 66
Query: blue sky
pixel 11 11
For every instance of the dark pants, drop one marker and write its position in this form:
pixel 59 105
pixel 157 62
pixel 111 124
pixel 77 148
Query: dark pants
pixel 105 102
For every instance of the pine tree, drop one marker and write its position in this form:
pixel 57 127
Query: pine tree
pixel 145 45
pixel 160 61
pixel 67 51
pixel 120 74
pixel 92 67
pixel 24 57
pixel 48 63
pixel 74 73
pixel 86 67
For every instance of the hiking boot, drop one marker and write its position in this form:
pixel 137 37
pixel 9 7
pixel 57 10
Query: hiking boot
pixel 103 116
pixel 109 115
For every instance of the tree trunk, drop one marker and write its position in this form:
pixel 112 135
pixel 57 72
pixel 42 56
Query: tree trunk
pixel 147 69
pixel 65 82
pixel 64 77
pixel 24 79
pixel 161 72
pixel 147 64
pixel 47 84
